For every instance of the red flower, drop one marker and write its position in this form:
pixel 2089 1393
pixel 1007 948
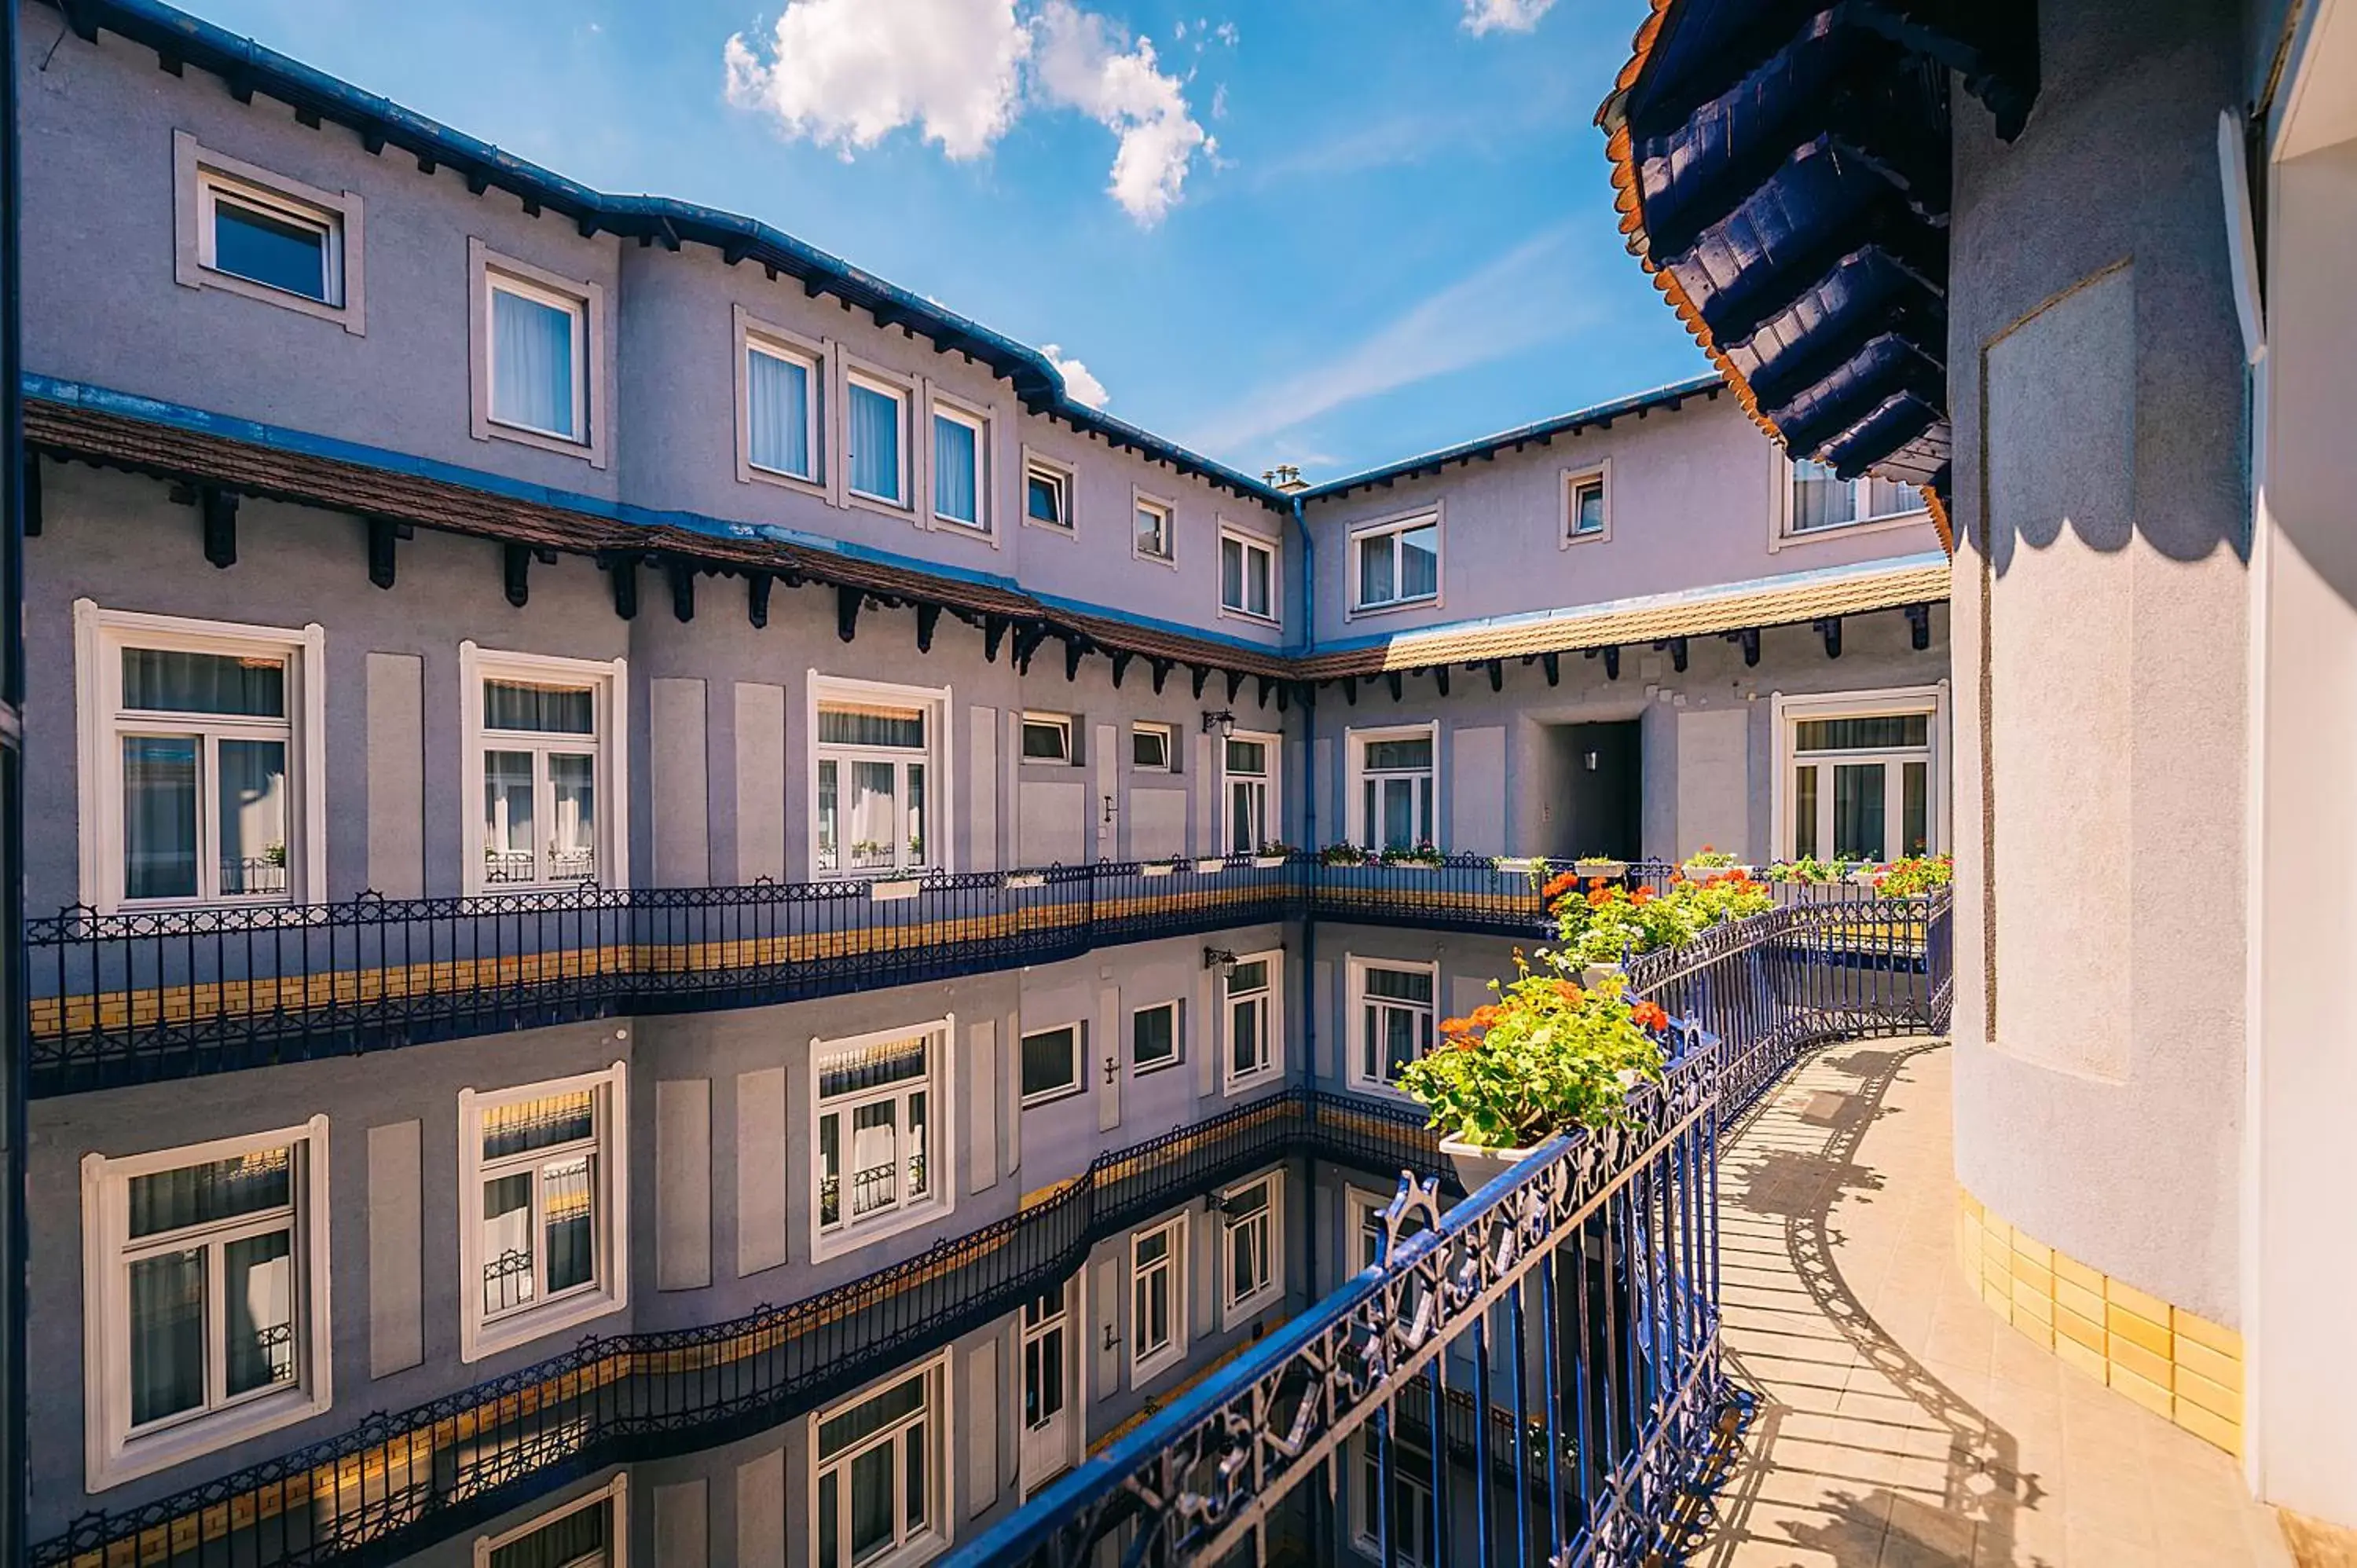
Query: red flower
pixel 1598 884
pixel 1643 896
pixel 1558 886
pixel 1649 1016
pixel 1598 897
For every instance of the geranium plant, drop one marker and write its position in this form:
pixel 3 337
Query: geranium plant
pixel 1917 873
pixel 1546 1055
pixel 1709 859
pixel 1424 852
pixel 1342 855
pixel 1606 922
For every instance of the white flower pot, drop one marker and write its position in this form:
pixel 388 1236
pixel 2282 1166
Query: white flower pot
pixel 1026 879
pixel 892 892
pixel 1521 866
pixel 1158 869
pixel 1209 863
pixel 1478 1167
pixel 1583 869
pixel 1268 862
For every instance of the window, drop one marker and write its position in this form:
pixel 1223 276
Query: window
pixel 543 744
pixel 1154 529
pixel 1822 500
pixel 961 467
pixel 1392 787
pixel 1047 738
pixel 1051 1062
pixel 1413 1539
pixel 540 344
pixel 1254 1024
pixel 877 767
pixel 1158 1298
pixel 783 405
pixel 1251 1234
pixel 1863 776
pixel 881 1475
pixel 1150 746
pixel 876 441
pixel 245 229
pixel 1392 1018
pixel 1247 576
pixel 1587 504
pixel 543 1241
pixel 880 1137
pixel 1047 493
pixel 588 1532
pixel 1154 1037
pixel 1396 562
pixel 1250 776
pixel 201 750
pixel 205 1275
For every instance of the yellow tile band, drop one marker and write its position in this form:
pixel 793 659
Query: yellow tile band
pixel 2184 1368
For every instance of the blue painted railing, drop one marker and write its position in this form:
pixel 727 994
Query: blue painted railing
pixel 1572 1303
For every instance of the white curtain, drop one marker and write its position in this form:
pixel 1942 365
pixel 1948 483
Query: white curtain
pixel 531 364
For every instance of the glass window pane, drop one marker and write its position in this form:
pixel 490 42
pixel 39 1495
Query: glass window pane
pixel 156 679
pixel 1244 1046
pixel 1250 975
pixel 579 1538
pixel 507 1242
pixel 1588 507
pixel 258 1290
pixel 1259 570
pixel 1419 562
pixel 912 1443
pixel 1375 584
pixel 916 813
pixel 874 443
pixel 1914 820
pixel 1045 740
pixel 1153 536
pixel 1878 731
pixel 167 1335
pixel 220 1189
pixel 869 724
pixel 826 854
pixel 568 1219
pixel 507 817
pixel 778 408
pixel 531 364
pixel 1404 984
pixel 572 836
pixel 252 816
pixel 1231 573
pixel 1888 498
pixel 916 1145
pixel 1048 1060
pixel 269 249
pixel 1398 830
pixel 1391 756
pixel 524 1125
pixel 830 1168
pixel 875 1157
pixel 873 1502
pixel 536 709
pixel 1043 498
pixel 1149 748
pixel 160 816
pixel 1154 1035
pixel 1247 757
pixel 874 815
pixel 1857 812
pixel 1820 500
pixel 857 1069
pixel 870 1416
pixel 1804 813
pixel 830 1533
pixel 956 462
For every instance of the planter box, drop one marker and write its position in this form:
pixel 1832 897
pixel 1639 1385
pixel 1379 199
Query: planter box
pixel 1210 863
pixel 1026 879
pixel 1703 873
pixel 1521 867
pixel 1409 866
pixel 893 892
pixel 1477 1167
pixel 1161 868
pixel 1268 862
pixel 1584 869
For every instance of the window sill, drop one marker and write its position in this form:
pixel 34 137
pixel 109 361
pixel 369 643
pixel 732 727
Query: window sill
pixel 1228 612
pixel 754 474
pixel 1050 1096
pixel 345 315
pixel 1235 1315
pixel 491 429
pixel 1169 561
pixel 1252 1079
pixel 1787 537
pixel 1143 1372
pixel 851 1238
pixel 145 1456
pixel 959 525
pixel 1150 1069
pixel 1383 1091
pixel 480 1339
pixel 1062 530
pixel 1597 536
pixel 1394 606
pixel 885 504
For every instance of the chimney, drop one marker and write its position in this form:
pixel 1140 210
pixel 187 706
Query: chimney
pixel 1286 479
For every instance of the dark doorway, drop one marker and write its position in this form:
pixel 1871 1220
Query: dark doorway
pixel 1603 767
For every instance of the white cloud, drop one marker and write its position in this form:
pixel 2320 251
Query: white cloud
pixel 1085 62
pixel 1504 15
pixel 847 73
pixel 1079 385
pixel 1524 298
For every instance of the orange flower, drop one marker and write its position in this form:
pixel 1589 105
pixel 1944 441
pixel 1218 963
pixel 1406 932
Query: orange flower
pixel 1596 883
pixel 1677 876
pixel 1558 886
pixel 1598 897
pixel 1484 1015
pixel 1643 896
pixel 1571 994
pixel 1649 1016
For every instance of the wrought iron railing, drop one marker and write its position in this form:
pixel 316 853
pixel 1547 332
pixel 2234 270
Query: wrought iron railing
pixel 1559 1328
pixel 396 1483
pixel 142 996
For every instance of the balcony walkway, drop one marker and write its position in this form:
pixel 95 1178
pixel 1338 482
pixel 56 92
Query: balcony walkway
pixel 1899 1422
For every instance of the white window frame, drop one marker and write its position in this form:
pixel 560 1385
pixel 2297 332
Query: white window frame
pixel 592 404
pixel 1066 477
pixel 1396 524
pixel 480 1336
pixel 976 420
pixel 1597 473
pixel 1080 1080
pixel 1355 1032
pixel 1415 1472
pixel 1145 1364
pixel 616 1493
pixel 1781 534
pixel 609 681
pixel 1356 830
pixel 1060 722
pixel 1176 1007
pixel 939 789
pixel 941 1200
pixel 1360 1211
pixel 1273 1024
pixel 753 335
pixel 1786 714
pixel 858 372
pixel 1139 500
pixel 199 173
pixel 1251 540
pixel 99 636
pixel 1235 1309
pixel 1167 733
pixel 940 1415
pixel 1272 806
pixel 112 1454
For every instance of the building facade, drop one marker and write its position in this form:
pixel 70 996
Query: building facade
pixel 674 906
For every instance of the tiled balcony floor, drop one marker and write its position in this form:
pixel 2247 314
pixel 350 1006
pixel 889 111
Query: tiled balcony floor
pixel 1900 1423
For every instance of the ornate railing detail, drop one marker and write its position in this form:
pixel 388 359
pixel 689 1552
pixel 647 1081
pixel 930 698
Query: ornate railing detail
pixel 1598 1260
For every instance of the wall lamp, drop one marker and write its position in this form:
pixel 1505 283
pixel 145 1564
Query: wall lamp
pixel 1219 958
pixel 1223 722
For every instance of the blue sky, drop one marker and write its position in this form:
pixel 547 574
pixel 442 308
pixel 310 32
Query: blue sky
pixel 1345 230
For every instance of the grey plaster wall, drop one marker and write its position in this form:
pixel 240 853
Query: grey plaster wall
pixel 2096 386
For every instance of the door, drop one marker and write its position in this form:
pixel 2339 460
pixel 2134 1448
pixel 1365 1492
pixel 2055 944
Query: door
pixel 1047 1363
pixel 1862 787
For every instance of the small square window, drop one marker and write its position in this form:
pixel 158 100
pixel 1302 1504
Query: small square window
pixel 1153 540
pixel 1247 576
pixel 1150 746
pixel 1397 562
pixel 539 340
pixel 782 411
pixel 250 231
pixel 1047 495
pixel 1154 1037
pixel 961 468
pixel 273 243
pixel 1587 506
pixel 1051 1062
pixel 877 442
pixel 1047 738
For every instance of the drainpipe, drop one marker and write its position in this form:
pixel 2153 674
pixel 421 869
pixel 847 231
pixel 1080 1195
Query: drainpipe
pixel 1321 1528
